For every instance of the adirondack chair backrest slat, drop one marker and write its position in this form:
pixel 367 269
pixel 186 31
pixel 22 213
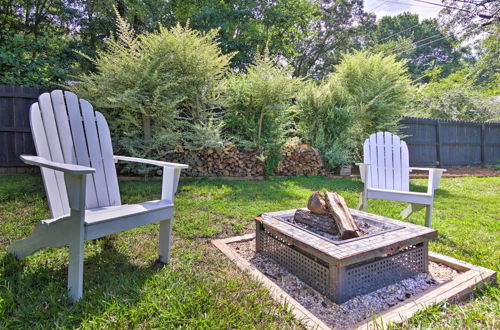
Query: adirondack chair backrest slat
pixel 67 130
pixel 388 159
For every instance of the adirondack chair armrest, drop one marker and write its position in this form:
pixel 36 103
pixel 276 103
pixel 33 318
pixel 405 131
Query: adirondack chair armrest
pixel 363 171
pixel 62 167
pixel 150 162
pixel 435 175
pixel 171 174
pixel 428 169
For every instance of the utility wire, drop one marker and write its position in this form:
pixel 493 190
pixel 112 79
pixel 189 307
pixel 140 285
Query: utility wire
pixel 383 2
pixel 404 51
pixel 395 34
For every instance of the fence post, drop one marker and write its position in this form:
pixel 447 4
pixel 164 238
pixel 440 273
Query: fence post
pixel 438 143
pixel 483 144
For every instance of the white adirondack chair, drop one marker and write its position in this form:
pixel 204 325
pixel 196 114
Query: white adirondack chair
pixel 76 158
pixel 385 172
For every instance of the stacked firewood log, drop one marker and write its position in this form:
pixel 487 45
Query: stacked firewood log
pixel 300 160
pixel 230 161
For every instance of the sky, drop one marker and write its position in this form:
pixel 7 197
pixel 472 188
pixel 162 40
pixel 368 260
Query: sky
pixel 393 7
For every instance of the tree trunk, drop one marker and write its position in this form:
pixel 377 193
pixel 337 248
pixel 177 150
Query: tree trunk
pixel 146 128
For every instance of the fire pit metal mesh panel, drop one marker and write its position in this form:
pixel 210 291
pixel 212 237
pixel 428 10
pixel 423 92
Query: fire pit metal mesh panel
pixel 307 269
pixel 343 283
pixel 369 277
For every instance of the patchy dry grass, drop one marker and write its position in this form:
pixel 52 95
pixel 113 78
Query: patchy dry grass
pixel 125 287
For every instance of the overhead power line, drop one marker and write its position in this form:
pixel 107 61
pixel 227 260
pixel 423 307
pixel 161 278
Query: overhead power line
pixel 404 51
pixel 383 2
pixel 397 33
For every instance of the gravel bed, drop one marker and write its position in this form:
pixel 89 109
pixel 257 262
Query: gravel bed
pixel 348 314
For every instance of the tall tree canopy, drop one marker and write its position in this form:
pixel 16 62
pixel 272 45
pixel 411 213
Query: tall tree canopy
pixel 421 43
pixel 250 26
pixel 334 32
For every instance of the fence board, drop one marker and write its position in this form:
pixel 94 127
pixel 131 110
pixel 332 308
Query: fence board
pixel 15 132
pixel 438 142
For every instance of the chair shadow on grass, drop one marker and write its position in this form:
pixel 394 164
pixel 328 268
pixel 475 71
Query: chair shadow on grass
pixel 38 295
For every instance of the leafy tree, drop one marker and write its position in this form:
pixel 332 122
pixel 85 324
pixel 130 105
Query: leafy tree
pixel 156 86
pixel 466 19
pixel 249 26
pixel 339 28
pixel 421 43
pixel 44 61
pixel 259 107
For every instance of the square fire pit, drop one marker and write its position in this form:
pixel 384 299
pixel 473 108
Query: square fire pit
pixel 389 252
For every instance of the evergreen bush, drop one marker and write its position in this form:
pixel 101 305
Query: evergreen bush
pixel 160 89
pixel 259 108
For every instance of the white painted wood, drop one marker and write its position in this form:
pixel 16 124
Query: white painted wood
pixel 105 228
pixel 76 187
pixel 372 160
pixel 111 213
pixel 380 160
pixel 428 216
pixel 168 184
pixel 108 160
pixel 150 162
pixel 400 196
pixel 54 145
pixel 388 164
pixel 405 167
pixel 80 144
pixel 50 233
pixel 95 152
pixel 412 207
pixel 62 123
pixel 386 157
pixel 396 159
pixel 62 167
pixel 75 154
pixel 165 241
pixel 42 149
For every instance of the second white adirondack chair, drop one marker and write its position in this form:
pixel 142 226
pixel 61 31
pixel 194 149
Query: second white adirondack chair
pixel 385 171
pixel 76 158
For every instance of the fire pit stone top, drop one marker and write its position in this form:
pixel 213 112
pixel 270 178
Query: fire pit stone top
pixel 397 235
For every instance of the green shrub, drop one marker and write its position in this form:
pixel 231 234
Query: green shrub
pixel 455 97
pixel 160 89
pixel 366 93
pixel 259 105
pixel 324 121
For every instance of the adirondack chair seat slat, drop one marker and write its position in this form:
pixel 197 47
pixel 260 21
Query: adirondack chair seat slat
pixel 75 154
pixel 110 213
pixel 400 196
pixel 385 173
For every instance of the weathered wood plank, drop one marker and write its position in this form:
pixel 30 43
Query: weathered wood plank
pixel 338 209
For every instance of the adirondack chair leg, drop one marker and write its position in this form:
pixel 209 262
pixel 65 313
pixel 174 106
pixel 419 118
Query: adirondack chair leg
pixel 428 216
pixel 46 234
pixel 410 209
pixel 363 202
pixel 75 270
pixel 165 240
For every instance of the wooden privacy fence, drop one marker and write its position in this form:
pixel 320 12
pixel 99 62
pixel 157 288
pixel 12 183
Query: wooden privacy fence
pixel 431 142
pixel 15 132
pixel 439 142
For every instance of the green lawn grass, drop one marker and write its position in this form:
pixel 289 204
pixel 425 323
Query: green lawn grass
pixel 125 288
